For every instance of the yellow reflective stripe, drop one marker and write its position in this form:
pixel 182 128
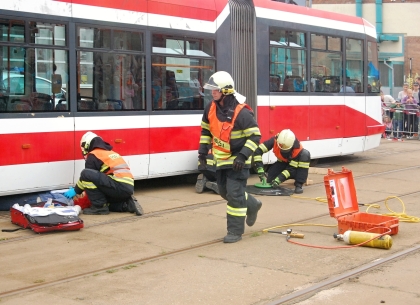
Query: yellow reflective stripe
pixel 85 185
pixel 237 134
pixel 258 158
pixel 251 145
pixel 303 164
pixel 286 174
pixel 218 154
pixel 253 130
pixel 205 140
pixel 263 148
pixel 205 125
pixel 210 162
pixel 241 212
pixel 293 163
pixel 222 162
pixel 127 180
pixel 104 168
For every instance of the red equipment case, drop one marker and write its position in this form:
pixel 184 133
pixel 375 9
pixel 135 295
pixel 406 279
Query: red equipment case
pixel 343 205
pixel 42 224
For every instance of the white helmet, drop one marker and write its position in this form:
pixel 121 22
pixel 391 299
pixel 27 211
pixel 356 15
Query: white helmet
pixel 85 141
pixel 221 81
pixel 285 139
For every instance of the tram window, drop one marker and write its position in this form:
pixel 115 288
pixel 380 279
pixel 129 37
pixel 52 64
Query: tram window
pixel 111 82
pixel 177 83
pixel 124 40
pixel 326 71
pixel 326 64
pixel 373 70
pixel 199 47
pixel 48 33
pixel 287 61
pixel 32 83
pixel 354 64
pixel 94 38
pixel 12 31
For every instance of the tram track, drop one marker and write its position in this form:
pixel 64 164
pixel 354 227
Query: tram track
pixel 294 296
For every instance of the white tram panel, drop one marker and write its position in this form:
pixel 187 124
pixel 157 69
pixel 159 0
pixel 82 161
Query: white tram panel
pixel 19 178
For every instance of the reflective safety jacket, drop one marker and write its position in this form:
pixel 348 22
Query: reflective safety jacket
pixel 280 157
pixel 229 137
pixel 221 132
pixel 294 159
pixel 114 165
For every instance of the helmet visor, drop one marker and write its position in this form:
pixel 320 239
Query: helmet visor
pixel 211 85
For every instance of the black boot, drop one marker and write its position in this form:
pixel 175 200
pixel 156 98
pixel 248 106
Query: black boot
pixel 252 217
pixel 94 210
pixel 134 206
pixel 232 238
pixel 298 188
pixel 200 184
pixel 213 186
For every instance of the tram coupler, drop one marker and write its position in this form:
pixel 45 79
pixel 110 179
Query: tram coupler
pixel 289 234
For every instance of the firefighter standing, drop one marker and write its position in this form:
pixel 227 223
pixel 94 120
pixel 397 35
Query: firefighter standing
pixel 229 125
pixel 292 160
pixel 106 179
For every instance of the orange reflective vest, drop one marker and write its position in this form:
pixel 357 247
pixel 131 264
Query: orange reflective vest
pixel 221 132
pixel 114 165
pixel 276 151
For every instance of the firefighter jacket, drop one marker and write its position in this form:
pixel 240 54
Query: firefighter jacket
pixel 103 159
pixel 293 158
pixel 231 129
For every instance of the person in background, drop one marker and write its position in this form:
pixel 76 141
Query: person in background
pixel 387 100
pixel 397 120
pixel 228 125
pixel 388 127
pixel 107 179
pixel 403 93
pixel 416 92
pixel 410 116
pixel 292 160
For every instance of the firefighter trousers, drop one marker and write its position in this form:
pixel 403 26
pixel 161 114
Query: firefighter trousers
pixel 232 186
pixel 101 189
pixel 300 174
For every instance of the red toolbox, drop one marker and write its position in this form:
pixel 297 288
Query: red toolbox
pixel 343 205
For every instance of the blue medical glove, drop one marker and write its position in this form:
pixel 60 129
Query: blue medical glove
pixel 70 193
pixel 276 182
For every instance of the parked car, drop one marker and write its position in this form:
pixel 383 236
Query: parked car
pixel 14 84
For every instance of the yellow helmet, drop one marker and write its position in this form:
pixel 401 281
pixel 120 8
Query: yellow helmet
pixel 221 81
pixel 85 141
pixel 285 139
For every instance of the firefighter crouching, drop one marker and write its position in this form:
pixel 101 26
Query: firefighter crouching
pixel 229 125
pixel 292 160
pixel 106 179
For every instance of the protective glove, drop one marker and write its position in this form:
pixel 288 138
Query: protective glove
pixel 238 163
pixel 276 182
pixel 70 193
pixel 202 159
pixel 261 173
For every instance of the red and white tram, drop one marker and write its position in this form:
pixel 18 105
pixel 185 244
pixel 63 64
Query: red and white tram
pixel 132 71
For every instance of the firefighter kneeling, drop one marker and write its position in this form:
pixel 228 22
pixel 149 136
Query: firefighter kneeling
pixel 106 179
pixel 292 160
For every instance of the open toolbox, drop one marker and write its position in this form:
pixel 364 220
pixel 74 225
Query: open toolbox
pixel 343 205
